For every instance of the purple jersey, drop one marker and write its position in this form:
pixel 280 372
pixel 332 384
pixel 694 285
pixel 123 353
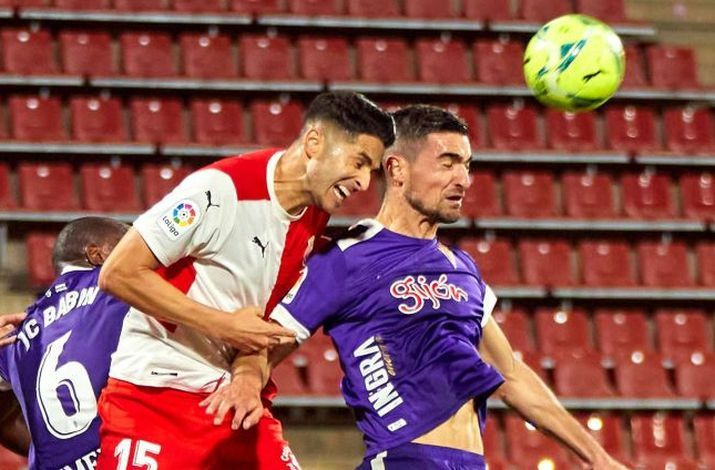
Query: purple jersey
pixel 59 365
pixel 406 322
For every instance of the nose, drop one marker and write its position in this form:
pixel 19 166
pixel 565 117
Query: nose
pixel 463 177
pixel 363 180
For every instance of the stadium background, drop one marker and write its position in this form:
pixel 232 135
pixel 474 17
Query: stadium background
pixel 595 229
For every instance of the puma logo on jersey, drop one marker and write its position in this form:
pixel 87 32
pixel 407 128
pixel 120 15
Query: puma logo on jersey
pixel 416 292
pixel 210 204
pixel 260 244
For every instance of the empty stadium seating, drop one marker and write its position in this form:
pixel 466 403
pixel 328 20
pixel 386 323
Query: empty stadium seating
pixel 207 56
pixel 47 186
pixel 157 120
pixel 641 375
pixel 493 258
pixel 606 263
pixel 442 60
pixel 97 119
pixel 39 258
pixel 158 180
pixel 588 195
pixel 217 122
pixel 36 118
pixel 529 194
pixel 108 188
pixel 562 332
pixel 621 332
pixel 546 262
pixel 682 332
pixel 87 53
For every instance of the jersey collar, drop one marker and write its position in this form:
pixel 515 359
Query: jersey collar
pixel 70 268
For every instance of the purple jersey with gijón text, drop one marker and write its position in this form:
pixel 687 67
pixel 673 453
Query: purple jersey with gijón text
pixel 58 366
pixel 406 320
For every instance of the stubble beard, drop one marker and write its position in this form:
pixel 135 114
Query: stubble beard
pixel 434 216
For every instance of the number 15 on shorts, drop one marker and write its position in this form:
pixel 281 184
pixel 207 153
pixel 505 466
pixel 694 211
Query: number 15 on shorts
pixel 144 453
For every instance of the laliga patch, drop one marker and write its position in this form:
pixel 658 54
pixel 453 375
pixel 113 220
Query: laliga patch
pixel 179 219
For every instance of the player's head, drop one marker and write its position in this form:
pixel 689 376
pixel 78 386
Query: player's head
pixel 428 165
pixel 87 242
pixel 344 138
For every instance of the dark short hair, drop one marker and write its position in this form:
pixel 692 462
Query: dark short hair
pixel 353 113
pixel 80 233
pixel 417 121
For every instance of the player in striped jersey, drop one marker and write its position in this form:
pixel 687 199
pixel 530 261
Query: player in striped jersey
pixel 232 235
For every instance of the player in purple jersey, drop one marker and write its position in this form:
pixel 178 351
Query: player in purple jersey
pixel 60 360
pixel 411 320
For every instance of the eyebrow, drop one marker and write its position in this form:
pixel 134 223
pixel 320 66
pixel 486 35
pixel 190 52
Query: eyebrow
pixel 367 160
pixel 455 156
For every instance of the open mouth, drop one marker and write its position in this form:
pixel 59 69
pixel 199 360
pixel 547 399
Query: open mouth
pixel 341 192
pixel 455 198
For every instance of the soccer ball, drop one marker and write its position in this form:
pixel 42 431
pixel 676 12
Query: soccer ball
pixel 574 62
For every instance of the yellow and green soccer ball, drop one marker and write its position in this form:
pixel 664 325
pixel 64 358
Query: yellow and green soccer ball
pixel 574 62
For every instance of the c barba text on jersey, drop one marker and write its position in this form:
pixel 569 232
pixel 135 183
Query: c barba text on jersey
pixel 67 302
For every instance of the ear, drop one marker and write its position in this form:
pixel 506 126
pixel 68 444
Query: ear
pixel 96 255
pixel 313 141
pixel 396 168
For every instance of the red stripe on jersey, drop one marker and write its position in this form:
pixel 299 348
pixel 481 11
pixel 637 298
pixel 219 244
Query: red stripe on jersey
pixel 180 275
pixel 248 173
pixel 300 239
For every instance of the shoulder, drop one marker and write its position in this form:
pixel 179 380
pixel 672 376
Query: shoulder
pixel 467 260
pixel 358 235
pixel 247 173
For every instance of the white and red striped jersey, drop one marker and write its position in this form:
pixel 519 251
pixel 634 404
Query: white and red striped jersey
pixel 225 241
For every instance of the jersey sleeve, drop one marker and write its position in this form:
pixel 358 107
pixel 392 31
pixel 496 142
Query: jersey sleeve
pixel 489 301
pixel 195 219
pixel 317 297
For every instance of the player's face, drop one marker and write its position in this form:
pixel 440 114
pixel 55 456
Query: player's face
pixel 342 168
pixel 439 176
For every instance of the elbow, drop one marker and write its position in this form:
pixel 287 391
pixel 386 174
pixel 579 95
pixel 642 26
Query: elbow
pixel 110 278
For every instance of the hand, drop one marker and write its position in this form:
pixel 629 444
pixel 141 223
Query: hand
pixel 8 323
pixel 247 331
pixel 243 395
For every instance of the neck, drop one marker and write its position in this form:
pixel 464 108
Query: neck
pixel 290 180
pixel 397 215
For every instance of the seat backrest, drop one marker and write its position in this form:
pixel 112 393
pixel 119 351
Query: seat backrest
pixel 698 195
pixel 373 53
pixel 529 193
pixel 47 186
pixel 571 132
pixel 494 259
pixel 496 59
pixel 159 179
pixel 266 57
pixel 546 262
pixel 324 58
pixel 620 332
pixel 87 53
pixel 664 264
pixel 631 129
pixel 147 54
pixel 561 331
pixel 588 195
pixel 157 120
pixel 97 119
pixel 36 118
pixel 275 122
pixel 217 121
pixel 647 195
pixel 514 127
pixel 27 52
pixel 207 56
pixel 606 263
pixel 108 188
pixel 442 61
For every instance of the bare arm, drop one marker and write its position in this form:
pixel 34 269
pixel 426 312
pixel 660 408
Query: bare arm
pixel 13 431
pixel 130 274
pixel 524 391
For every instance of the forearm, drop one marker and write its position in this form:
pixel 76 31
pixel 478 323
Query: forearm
pixel 530 397
pixel 259 365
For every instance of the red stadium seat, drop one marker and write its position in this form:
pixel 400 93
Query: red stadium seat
pixel 515 325
pixel 364 203
pixel 147 54
pixel 314 7
pixel 546 263
pixel 158 180
pixel 217 122
pixel 527 444
pixel 486 10
pixel 514 127
pixel 682 332
pixel 496 60
pixel 705 255
pixel 276 122
pixel 606 264
pixel 207 56
pixel 642 376
pixel 36 118
pixel 694 377
pixel 157 120
pixel 635 75
pixel 198 6
pixel 493 257
pixel 607 430
pixel 429 9
pixel 481 198
pixel 664 264
pixel 324 58
pixel 698 195
pixel 493 442
pixel 658 435
pixel 631 129
pixel 97 119
pixel 608 11
pixel 289 379
pixel 7 199
pixel 374 53
pixel 672 67
pixel 140 5
pixel 266 57
pixel 529 193
pixel 674 462
pixel 704 434
pixel 441 61
pixel 647 196
pixel 620 332
pixel 87 53
pixel 542 11
pixel 81 4
pixel 581 376
pixel 27 52
pixel 39 258
pixel 257 7
pixel 47 186
pixel 571 132
pixel 373 8
pixel 108 188
pixel 588 195
pixel 688 130
pixel 470 115
pixel 324 374
pixel 562 332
